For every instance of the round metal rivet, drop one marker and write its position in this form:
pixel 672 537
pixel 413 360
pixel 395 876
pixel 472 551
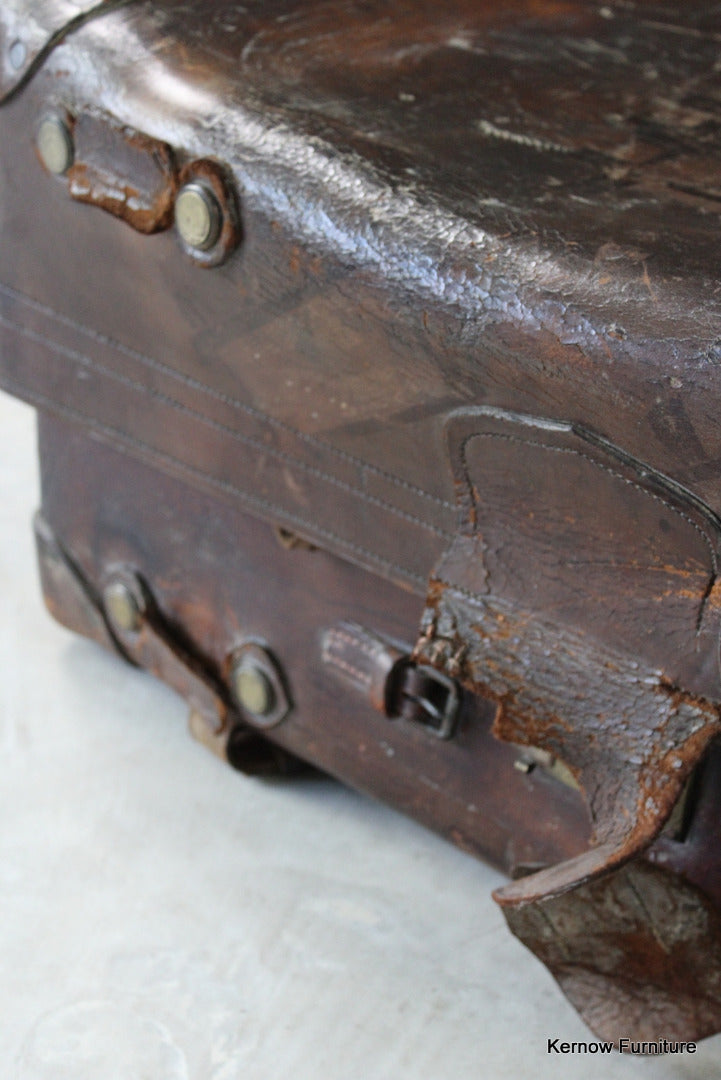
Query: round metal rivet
pixel 122 607
pixel 198 217
pixel 18 53
pixel 55 145
pixel 253 688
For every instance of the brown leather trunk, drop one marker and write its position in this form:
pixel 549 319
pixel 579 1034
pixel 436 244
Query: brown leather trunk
pixel 377 416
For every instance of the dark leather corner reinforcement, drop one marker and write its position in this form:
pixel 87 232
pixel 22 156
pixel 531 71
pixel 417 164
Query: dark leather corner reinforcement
pixel 581 593
pixel 637 952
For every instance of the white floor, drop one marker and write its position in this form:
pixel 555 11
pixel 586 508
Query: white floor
pixel 163 918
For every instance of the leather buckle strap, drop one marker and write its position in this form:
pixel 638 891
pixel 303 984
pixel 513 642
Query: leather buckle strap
pixel 395 684
pixel 424 696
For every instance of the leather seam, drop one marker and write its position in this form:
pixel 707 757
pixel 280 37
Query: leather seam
pixel 217 425
pixel 331 658
pixel 195 384
pixel 147 451
pixel 604 468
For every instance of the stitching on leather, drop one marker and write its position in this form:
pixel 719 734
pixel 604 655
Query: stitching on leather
pixel 256 444
pixel 226 399
pixel 598 465
pixel 358 676
pixel 214 481
pixel 341 638
pixel 369 649
pixel 365 647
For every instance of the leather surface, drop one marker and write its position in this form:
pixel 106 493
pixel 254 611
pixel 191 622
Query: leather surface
pixel 219 577
pixel 489 268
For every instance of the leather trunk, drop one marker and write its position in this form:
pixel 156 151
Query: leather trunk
pixel 376 353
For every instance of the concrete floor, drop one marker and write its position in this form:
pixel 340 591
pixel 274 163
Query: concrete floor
pixel 163 918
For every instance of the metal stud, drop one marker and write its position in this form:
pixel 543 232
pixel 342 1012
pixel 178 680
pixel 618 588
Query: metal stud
pixel 258 685
pixel 122 607
pixel 198 216
pixel 55 145
pixel 253 688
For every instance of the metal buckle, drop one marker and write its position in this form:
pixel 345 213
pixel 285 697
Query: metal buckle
pixel 425 696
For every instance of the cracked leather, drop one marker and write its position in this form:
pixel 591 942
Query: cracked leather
pixel 407 247
pixel 582 589
pixel 637 952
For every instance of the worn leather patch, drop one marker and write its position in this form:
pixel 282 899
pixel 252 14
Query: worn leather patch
pixel 123 172
pixel 638 953
pixel 579 593
pixel 566 527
